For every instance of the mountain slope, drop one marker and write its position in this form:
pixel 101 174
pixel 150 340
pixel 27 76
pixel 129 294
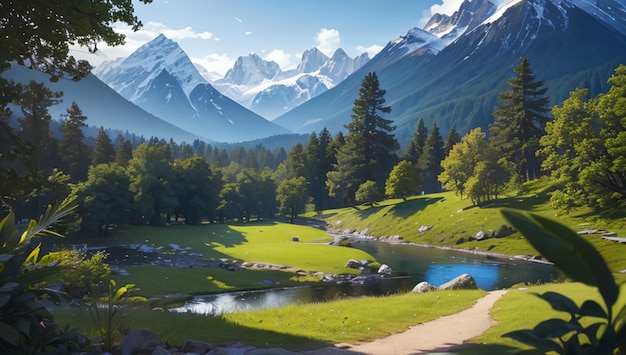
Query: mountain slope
pixel 457 85
pixel 161 79
pixel 103 106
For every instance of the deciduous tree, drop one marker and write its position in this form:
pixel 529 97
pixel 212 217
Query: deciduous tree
pixel 292 197
pixel 404 181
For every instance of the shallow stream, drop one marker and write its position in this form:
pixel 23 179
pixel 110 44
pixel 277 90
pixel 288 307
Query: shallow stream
pixel 411 264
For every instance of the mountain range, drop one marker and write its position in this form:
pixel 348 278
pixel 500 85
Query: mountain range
pixel 264 88
pixel 449 72
pixel 452 71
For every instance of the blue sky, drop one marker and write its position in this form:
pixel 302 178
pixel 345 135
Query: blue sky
pixel 215 33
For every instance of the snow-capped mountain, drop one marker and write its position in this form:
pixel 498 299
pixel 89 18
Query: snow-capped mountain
pixel 133 74
pixel 265 89
pixel 161 79
pixel 452 70
pixel 251 70
pixel 312 60
pixel 102 106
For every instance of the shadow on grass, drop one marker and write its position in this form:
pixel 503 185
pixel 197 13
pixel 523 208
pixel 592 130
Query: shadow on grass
pixel 175 328
pixel 408 208
pixel 527 203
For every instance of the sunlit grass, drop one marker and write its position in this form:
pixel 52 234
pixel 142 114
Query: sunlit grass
pixel 299 326
pixel 453 219
pixel 520 308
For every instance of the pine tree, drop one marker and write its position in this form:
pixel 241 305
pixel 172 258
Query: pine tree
pixel 103 151
pixel 452 138
pixel 35 126
pixel 369 151
pixel 519 121
pixel 430 161
pixel 123 153
pixel 76 154
pixel 416 146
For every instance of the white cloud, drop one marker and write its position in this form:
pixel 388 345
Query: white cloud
pixel 283 59
pixel 216 63
pixel 371 50
pixel 327 41
pixel 238 19
pixel 247 33
pixel 448 7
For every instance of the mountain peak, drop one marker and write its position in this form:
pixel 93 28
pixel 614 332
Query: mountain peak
pixel 312 60
pixel 251 70
pixel 470 15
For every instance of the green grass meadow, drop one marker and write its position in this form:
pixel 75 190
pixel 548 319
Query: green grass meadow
pixel 270 243
pixel 309 326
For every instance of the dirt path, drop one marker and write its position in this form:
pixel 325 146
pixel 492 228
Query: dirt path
pixel 437 335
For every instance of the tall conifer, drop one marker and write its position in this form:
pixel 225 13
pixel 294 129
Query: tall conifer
pixel 370 149
pixel 520 120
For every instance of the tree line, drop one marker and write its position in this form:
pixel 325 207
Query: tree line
pixel 579 145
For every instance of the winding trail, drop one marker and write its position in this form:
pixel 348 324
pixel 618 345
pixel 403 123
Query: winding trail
pixel 435 336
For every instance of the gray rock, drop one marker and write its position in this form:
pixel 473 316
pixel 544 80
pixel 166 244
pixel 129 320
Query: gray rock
pixel 424 287
pixel 233 349
pixel 271 351
pixel 139 341
pixel 353 264
pixel 161 351
pixel 461 282
pixel 384 269
pixel 196 347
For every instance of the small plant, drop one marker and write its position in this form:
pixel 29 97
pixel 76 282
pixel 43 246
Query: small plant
pixel 104 315
pixel 581 262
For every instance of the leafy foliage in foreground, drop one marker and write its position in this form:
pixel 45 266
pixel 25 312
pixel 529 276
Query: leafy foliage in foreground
pixel 26 325
pixel 580 261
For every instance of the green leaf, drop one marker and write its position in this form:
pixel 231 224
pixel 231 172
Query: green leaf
pixel 9 334
pixel 560 302
pixel 9 286
pixel 573 255
pixel 592 308
pixel 555 328
pixel 529 337
pixel 620 319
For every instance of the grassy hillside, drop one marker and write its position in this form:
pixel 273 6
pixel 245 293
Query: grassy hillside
pixel 453 218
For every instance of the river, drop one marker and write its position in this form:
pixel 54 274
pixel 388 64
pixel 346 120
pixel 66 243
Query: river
pixel 411 264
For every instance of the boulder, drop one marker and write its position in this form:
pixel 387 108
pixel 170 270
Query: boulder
pixel 139 341
pixel 460 241
pixel 384 269
pixel 341 241
pixel 161 351
pixel 424 287
pixel 461 282
pixel 196 347
pixel 480 235
pixel 234 348
pixel 353 264
pixel 272 351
